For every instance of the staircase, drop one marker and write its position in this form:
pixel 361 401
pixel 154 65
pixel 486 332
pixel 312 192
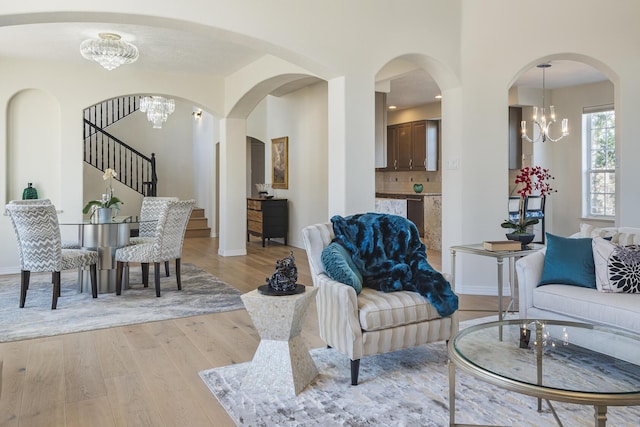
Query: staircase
pixel 103 150
pixel 197 225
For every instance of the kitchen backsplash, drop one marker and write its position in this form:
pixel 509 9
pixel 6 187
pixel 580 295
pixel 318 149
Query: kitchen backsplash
pixel 402 182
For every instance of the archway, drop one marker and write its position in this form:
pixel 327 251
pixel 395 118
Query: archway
pixel 574 84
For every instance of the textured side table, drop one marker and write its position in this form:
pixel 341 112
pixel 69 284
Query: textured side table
pixel 282 363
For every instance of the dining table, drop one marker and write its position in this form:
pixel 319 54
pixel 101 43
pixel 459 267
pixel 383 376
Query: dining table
pixel 105 238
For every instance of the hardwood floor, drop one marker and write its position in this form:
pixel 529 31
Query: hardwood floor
pixel 147 374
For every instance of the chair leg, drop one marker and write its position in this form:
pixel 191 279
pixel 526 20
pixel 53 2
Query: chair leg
pixel 56 289
pixel 156 277
pixel 94 280
pixel 53 281
pixel 24 285
pixel 145 274
pixel 355 369
pixel 166 268
pixel 119 277
pixel 178 279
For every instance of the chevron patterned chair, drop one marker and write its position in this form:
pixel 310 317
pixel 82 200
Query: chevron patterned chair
pixel 166 245
pixel 40 247
pixel 149 214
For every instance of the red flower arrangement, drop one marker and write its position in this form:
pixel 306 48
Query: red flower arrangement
pixel 533 180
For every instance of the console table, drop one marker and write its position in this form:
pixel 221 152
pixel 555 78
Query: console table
pixel 267 218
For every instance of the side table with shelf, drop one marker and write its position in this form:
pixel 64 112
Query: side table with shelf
pixel 500 256
pixel 267 218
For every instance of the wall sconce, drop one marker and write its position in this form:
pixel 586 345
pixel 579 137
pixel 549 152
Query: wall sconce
pixel 197 114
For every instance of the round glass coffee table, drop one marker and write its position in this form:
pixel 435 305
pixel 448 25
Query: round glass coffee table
pixel 551 360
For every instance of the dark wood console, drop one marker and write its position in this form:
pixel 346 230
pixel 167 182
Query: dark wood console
pixel 267 218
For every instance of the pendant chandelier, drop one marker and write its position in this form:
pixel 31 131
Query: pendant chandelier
pixel 157 108
pixel 540 119
pixel 109 51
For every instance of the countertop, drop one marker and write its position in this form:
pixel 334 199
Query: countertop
pixel 392 195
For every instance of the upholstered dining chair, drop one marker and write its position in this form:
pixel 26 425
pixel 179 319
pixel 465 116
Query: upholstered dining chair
pixel 166 245
pixel 40 247
pixel 149 214
pixel 372 322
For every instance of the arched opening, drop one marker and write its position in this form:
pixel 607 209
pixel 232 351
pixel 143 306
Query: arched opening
pixel 573 85
pixel 409 146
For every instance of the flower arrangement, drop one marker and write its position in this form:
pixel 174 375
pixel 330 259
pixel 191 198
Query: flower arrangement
pixel 533 181
pixel 108 200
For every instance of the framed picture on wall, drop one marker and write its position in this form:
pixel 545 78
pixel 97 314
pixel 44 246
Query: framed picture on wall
pixel 280 162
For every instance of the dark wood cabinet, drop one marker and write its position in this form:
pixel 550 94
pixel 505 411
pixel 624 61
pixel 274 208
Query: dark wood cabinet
pixel 267 218
pixel 413 146
pixel 415 212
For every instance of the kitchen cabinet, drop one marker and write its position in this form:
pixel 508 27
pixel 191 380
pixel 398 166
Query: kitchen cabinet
pixel 267 218
pixel 413 146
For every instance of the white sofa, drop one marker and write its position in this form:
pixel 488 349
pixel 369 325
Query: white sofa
pixel 574 303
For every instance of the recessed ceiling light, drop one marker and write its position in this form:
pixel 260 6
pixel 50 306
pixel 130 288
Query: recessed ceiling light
pixel 392 107
pixel 438 96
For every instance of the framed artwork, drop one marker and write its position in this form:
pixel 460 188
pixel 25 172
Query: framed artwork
pixel 280 162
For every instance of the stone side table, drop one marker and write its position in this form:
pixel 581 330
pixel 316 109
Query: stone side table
pixel 282 363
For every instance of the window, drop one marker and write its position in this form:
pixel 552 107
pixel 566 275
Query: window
pixel 600 155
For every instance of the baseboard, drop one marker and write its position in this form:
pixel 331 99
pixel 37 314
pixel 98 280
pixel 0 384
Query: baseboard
pixel 482 290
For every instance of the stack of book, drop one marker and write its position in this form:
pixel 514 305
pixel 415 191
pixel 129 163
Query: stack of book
pixel 502 245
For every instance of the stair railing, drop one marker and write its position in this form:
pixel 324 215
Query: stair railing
pixel 110 111
pixel 135 170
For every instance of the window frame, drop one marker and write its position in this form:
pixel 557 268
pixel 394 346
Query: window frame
pixel 588 172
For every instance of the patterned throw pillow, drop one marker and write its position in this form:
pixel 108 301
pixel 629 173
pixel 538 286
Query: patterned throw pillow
pixel 617 267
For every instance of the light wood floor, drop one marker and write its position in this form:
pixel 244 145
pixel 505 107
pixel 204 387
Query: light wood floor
pixel 147 374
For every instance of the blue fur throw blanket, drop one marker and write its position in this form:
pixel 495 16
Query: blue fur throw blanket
pixel 391 257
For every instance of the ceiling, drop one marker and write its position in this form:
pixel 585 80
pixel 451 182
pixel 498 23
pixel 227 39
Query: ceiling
pixel 178 51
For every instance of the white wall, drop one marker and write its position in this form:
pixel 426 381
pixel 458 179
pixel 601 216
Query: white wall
pixel 302 116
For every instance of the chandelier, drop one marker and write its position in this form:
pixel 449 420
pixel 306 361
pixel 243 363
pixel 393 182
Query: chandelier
pixel 157 108
pixel 541 120
pixel 109 51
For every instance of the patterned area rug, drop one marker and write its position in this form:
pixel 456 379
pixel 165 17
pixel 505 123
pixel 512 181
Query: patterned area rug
pixel 201 293
pixel 404 388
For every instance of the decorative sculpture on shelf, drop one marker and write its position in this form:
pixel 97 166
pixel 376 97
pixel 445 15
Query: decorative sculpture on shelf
pixel 29 192
pixel 283 280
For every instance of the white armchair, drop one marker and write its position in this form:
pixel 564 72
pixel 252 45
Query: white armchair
pixel 372 322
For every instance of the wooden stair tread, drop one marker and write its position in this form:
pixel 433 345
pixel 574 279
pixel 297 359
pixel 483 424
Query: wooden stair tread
pixel 198 224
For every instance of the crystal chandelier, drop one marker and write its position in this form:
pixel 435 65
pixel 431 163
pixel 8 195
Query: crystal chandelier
pixel 157 108
pixel 109 51
pixel 540 118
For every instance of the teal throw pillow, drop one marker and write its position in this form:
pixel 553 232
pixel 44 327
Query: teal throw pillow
pixel 568 261
pixel 338 264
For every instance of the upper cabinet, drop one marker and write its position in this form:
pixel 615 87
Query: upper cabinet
pixel 413 146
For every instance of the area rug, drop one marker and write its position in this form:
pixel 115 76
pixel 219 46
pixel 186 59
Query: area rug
pixel 201 293
pixel 404 388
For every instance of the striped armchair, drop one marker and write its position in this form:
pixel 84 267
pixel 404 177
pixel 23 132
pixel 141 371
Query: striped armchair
pixel 372 322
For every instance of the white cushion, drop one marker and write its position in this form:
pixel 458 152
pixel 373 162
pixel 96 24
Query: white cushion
pixel 589 305
pixel 588 230
pixel 382 310
pixel 628 236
